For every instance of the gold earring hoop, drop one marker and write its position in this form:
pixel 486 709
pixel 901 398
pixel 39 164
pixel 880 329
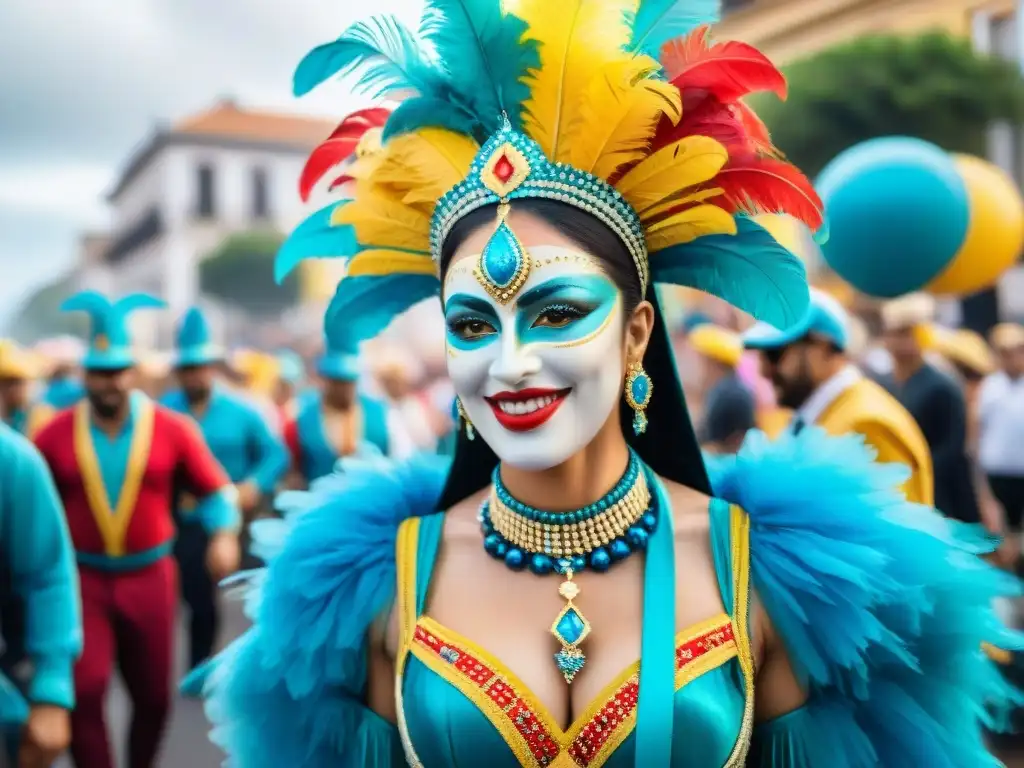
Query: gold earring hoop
pixel 639 388
pixel 470 432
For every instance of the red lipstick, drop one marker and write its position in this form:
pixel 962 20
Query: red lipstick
pixel 526 409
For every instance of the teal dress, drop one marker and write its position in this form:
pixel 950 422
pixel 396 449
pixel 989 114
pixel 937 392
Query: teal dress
pixel 459 702
pixel 881 605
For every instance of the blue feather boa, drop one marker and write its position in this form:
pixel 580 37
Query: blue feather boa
pixel 883 607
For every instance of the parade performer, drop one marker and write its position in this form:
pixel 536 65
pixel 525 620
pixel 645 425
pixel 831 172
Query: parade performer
pixel 933 399
pixel 17 375
pixel 815 379
pixel 40 621
pixel 241 440
pixel 338 420
pixel 118 459
pixel 541 175
pixel 728 404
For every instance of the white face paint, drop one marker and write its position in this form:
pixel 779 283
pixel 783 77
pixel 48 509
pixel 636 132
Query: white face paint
pixel 540 375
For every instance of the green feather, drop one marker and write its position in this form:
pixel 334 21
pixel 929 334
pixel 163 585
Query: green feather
pixel 749 270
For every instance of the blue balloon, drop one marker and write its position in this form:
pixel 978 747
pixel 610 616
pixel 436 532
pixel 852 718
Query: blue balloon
pixel 898 213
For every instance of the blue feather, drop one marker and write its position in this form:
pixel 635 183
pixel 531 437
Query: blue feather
pixel 658 21
pixel 133 301
pixel 429 112
pixel 315 238
pixel 92 302
pixel 393 59
pixel 749 270
pixel 484 55
pixel 363 306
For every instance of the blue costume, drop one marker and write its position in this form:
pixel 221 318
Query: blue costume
pixel 881 605
pixel 40 619
pixel 238 435
pixel 314 450
pixel 242 442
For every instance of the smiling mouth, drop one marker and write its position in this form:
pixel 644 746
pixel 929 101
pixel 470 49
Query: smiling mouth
pixel 526 409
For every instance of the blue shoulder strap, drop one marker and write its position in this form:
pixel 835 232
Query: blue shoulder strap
pixel 655 712
pixel 721 549
pixel 431 528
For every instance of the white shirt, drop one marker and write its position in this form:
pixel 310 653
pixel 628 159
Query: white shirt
pixel 1001 425
pixel 826 394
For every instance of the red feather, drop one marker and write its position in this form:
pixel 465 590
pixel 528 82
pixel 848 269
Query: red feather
pixel 767 185
pixel 704 115
pixel 338 147
pixel 727 70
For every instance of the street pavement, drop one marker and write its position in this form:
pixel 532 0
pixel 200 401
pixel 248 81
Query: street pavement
pixel 186 744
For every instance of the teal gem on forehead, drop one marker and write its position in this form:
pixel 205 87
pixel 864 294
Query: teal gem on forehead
pixel 502 257
pixel 504 264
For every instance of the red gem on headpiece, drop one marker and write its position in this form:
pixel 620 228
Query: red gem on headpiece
pixel 503 169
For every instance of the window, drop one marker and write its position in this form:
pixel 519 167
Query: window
pixel 205 201
pixel 260 199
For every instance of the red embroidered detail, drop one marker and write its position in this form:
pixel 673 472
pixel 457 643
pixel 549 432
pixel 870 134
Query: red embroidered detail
pixel 543 746
pixel 622 703
pixel 503 169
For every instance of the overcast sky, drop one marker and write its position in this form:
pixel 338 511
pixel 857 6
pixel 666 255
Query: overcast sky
pixel 82 82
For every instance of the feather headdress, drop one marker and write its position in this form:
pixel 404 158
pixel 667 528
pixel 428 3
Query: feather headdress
pixel 623 108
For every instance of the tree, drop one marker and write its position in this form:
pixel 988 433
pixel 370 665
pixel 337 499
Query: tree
pixel 39 317
pixel 240 272
pixel 932 86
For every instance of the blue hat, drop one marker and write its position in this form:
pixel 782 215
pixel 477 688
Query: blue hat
pixel 340 360
pixel 825 317
pixel 110 344
pixel 194 343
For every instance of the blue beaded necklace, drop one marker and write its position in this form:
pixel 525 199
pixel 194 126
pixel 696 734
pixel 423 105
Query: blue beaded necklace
pixel 628 510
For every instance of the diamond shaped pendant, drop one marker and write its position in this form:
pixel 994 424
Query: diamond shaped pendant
pixel 570 628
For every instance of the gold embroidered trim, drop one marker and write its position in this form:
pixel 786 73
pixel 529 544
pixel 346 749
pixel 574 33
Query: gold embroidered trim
pixel 740 540
pixel 113 522
pixel 527 727
pixel 406 548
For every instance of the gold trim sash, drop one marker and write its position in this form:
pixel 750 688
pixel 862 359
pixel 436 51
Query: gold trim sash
pixel 113 521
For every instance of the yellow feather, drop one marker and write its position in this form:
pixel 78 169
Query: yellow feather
pixel 688 225
pixel 618 115
pixel 578 38
pixel 653 214
pixel 684 163
pixel 381 222
pixel 426 164
pixel 376 263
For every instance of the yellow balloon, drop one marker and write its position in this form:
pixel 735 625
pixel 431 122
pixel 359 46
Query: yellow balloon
pixel 995 234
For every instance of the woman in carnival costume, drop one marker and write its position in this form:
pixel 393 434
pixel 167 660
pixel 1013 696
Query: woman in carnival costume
pixel 573 589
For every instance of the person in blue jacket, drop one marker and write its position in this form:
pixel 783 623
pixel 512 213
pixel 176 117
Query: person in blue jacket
pixel 241 440
pixel 40 617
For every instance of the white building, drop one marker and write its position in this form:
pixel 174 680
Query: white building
pixel 190 186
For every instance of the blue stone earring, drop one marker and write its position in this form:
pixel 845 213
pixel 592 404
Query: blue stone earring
pixel 638 394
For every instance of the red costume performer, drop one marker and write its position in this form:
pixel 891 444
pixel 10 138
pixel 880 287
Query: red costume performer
pixel 118 491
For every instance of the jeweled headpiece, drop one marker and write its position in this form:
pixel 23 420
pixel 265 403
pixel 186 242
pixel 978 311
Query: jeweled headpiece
pixel 621 108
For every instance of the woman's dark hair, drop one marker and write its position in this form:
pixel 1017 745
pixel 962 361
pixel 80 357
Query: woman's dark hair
pixel 669 446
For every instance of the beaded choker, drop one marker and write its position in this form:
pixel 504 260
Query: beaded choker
pixel 566 543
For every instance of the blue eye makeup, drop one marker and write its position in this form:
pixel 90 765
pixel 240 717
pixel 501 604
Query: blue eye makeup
pixel 470 322
pixel 565 310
